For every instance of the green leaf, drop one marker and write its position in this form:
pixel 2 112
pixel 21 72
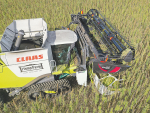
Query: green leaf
pixel 118 108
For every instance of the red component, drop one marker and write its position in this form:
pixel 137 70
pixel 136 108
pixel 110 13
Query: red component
pixel 27 58
pixel 22 59
pixel 18 60
pixel 111 38
pixel 35 57
pixel 98 22
pixel 102 68
pixel 41 56
pixel 105 59
pixel 116 69
pixel 95 56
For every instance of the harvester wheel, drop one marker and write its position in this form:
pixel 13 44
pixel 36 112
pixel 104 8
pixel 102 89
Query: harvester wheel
pixel 35 95
pixel 49 89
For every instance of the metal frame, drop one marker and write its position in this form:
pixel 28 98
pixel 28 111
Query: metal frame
pixel 93 18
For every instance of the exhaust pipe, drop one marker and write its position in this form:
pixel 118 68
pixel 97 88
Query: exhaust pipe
pixel 19 39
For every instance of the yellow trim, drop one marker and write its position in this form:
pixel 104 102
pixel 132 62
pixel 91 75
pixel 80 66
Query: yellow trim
pixel 68 70
pixel 49 91
pixel 9 80
pixel 90 72
pixel 114 60
pixel 104 30
pixel 2 53
pixel 60 68
pixel 65 69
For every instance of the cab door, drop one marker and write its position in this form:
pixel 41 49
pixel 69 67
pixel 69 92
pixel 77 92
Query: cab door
pixel 60 55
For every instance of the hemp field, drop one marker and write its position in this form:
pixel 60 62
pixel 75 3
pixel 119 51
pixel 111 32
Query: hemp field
pixel 130 17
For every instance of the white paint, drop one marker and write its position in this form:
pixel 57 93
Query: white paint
pixel 33 72
pixel 61 37
pixel 11 57
pixel 33 28
pixel 81 77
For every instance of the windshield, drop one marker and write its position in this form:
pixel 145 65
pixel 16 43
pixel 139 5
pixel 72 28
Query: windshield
pixel 60 53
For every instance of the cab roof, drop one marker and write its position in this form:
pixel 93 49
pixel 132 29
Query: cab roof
pixel 61 37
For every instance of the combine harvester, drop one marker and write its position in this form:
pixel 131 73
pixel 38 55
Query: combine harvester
pixel 35 59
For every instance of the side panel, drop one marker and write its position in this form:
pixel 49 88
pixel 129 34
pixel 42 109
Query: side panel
pixel 9 80
pixel 33 69
pixel 23 67
pixel 108 67
pixel 26 56
pixel 81 76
